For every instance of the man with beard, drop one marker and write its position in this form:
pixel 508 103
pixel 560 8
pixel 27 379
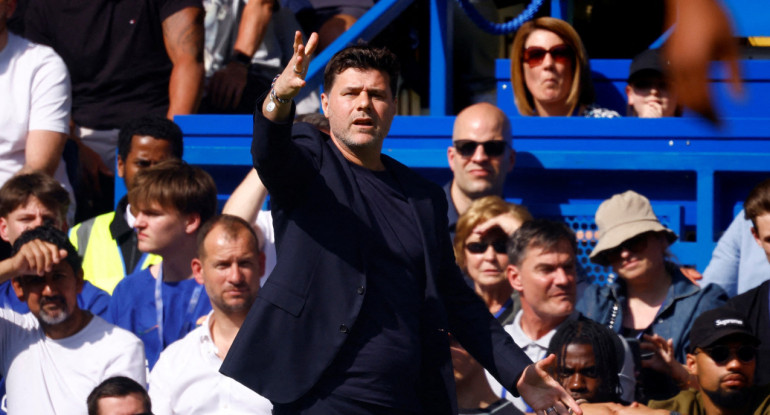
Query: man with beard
pixel 55 355
pixel 723 352
pixel 186 378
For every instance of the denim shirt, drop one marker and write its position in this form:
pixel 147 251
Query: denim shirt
pixel 684 302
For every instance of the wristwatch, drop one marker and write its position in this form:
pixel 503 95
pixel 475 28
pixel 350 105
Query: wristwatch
pixel 241 58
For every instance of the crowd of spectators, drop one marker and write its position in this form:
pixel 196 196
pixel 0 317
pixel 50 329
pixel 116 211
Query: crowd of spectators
pixel 162 284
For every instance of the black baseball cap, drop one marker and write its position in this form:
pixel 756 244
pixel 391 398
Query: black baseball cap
pixel 649 60
pixel 716 324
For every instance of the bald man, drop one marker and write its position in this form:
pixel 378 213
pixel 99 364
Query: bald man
pixel 480 157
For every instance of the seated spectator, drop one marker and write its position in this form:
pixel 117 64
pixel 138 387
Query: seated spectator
pixel 588 359
pixel 107 242
pixel 55 355
pixel 480 250
pixel 474 396
pixel 481 156
pixel 246 46
pixel 28 201
pixel 35 106
pixel 722 356
pixel 245 202
pixel 542 269
pixel 186 379
pixel 164 302
pixel 550 72
pixel 754 304
pixel 651 297
pixel 119 395
pixel 649 95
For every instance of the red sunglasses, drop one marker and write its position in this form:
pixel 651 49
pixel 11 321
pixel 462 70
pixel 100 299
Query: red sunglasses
pixel 534 55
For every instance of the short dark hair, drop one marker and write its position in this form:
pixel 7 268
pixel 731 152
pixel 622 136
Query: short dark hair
pixel 363 57
pixel 54 235
pixel 538 233
pixel 175 184
pixel 17 190
pixel 758 202
pixel 116 387
pixel 608 350
pixel 231 224
pixel 155 126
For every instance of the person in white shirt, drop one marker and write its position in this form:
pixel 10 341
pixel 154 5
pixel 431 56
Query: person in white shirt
pixel 186 378
pixel 57 353
pixel 35 105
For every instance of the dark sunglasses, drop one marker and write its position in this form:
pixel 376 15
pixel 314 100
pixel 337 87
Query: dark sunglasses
pixel 721 354
pixel 467 148
pixel 534 55
pixel 636 244
pixel 481 247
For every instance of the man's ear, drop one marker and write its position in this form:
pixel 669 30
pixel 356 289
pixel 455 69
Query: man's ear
pixel 692 364
pixel 121 167
pixel 514 277
pixel 18 289
pixel 4 229
pixel 192 223
pixel 451 153
pixel 197 270
pixel 325 104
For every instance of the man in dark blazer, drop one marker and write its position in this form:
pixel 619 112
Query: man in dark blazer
pixel 355 317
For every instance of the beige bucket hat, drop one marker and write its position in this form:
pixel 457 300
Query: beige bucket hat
pixel 622 217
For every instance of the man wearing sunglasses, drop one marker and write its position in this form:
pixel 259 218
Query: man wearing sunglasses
pixel 722 355
pixel 480 157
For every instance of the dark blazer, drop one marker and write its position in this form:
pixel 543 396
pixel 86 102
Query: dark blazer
pixel 305 310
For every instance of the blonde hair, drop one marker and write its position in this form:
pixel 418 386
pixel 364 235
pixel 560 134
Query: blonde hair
pixel 480 211
pixel 582 91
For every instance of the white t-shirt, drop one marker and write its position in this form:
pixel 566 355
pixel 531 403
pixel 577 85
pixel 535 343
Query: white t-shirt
pixel 36 95
pixel 46 376
pixel 265 223
pixel 186 380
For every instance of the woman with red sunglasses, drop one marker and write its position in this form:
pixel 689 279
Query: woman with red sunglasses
pixel 550 72
pixel 480 251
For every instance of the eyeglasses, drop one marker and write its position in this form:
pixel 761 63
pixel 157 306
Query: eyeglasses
pixel 481 247
pixel 636 244
pixel 534 55
pixel 721 354
pixel 467 148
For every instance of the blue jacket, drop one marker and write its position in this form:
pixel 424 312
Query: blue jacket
pixel 684 302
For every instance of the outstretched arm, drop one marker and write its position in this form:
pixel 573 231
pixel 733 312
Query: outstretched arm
pixel 247 199
pixel 291 80
pixel 183 36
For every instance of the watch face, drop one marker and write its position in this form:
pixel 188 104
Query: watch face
pixel 270 106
